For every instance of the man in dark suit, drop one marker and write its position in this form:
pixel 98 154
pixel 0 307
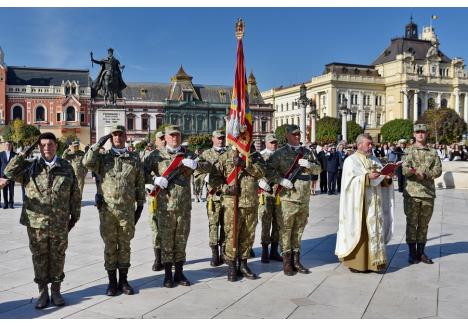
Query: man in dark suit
pixel 333 163
pixel 322 158
pixel 9 190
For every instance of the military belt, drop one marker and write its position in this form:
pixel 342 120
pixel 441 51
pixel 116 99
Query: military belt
pixel 304 177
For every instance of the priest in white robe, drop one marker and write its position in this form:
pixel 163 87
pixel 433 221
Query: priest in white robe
pixel 366 211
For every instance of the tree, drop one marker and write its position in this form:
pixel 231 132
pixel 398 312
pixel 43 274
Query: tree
pixel 280 133
pixel 397 129
pixel 202 141
pixel 21 134
pixel 328 129
pixel 160 128
pixel 64 142
pixel 352 131
pixel 445 126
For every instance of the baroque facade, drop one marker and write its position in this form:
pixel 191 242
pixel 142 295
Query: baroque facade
pixel 409 77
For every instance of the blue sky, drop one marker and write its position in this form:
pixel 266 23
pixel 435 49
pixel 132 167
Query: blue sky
pixel 282 45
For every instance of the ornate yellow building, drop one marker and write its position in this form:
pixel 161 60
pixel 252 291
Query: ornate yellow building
pixel 409 77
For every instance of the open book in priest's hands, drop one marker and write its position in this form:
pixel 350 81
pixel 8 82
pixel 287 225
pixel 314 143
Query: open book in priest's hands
pixel 390 168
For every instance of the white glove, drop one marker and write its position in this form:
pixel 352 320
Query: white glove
pixel 286 183
pixel 148 187
pixel 207 178
pixel 190 163
pixel 304 163
pixel 264 185
pixel 161 182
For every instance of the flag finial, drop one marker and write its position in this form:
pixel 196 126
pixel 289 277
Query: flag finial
pixel 240 29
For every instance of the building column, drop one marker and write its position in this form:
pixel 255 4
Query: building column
pixel 405 107
pixel 415 107
pixel 439 100
pixel 457 103
pixel 465 108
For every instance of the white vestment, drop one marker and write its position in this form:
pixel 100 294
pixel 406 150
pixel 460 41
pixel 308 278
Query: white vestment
pixel 378 209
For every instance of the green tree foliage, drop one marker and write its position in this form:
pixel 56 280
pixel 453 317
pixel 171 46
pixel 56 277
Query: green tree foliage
pixel 140 146
pixel 328 129
pixel 445 126
pixel 202 141
pixel 280 133
pixel 64 142
pixel 160 128
pixel 20 133
pixel 397 129
pixel 352 130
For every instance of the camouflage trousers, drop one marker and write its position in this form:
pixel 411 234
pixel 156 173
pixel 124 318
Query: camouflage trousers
pixel 215 222
pixel 116 231
pixel 198 184
pixel 153 220
pixel 270 215
pixel 174 229
pixel 246 223
pixel 48 254
pixel 293 221
pixel 81 182
pixel 418 213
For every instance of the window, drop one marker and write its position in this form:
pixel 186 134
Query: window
pixel 73 90
pixel 431 103
pixel 130 122
pixel 82 117
pixel 159 121
pixel 443 103
pixel 58 116
pixel 70 114
pixel 281 107
pixel 379 117
pixel 264 125
pixel 287 106
pixel 143 92
pixel 67 90
pixel 40 114
pixel 17 113
pixel 188 96
pixel 144 123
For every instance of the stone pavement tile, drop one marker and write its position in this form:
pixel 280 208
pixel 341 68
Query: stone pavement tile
pixel 16 278
pixel 322 311
pixel 88 314
pixel 452 309
pixel 336 296
pixel 454 293
pixel 11 300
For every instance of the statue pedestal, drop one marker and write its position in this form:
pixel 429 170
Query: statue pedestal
pixel 106 118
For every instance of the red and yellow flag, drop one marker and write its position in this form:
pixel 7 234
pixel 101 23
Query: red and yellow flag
pixel 239 127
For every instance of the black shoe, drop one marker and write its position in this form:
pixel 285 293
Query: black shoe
pixel 422 257
pixel 265 257
pixel 245 270
pixel 412 257
pixel 5 206
pixel 274 254
pixel 179 276
pixel 288 269
pixel 112 287
pixel 232 270
pixel 123 283
pixel 297 263
pixel 12 205
pixel 55 295
pixel 168 281
pixel 43 299
pixel 214 256
pixel 157 266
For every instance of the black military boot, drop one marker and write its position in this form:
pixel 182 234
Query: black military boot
pixel 43 299
pixel 251 253
pixel 297 263
pixel 238 264
pixel 245 270
pixel 179 276
pixel 112 287
pixel 168 281
pixel 123 283
pixel 232 270
pixel 55 294
pixel 287 265
pixel 157 266
pixel 422 257
pixel 214 256
pixel 274 254
pixel 265 258
pixel 412 257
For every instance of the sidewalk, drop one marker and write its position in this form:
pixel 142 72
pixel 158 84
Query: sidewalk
pixel 330 291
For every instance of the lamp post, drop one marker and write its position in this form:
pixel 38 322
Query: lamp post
pixel 303 101
pixel 344 113
pixel 313 115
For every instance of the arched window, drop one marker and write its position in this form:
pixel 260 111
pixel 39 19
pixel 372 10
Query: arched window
pixel 443 103
pixel 430 103
pixel 40 114
pixel 70 114
pixel 17 113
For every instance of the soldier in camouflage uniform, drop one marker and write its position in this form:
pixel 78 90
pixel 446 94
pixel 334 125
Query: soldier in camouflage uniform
pixel 246 192
pixel 122 185
pixel 421 166
pixel 268 212
pixel 50 210
pixel 174 203
pixel 294 196
pixel 74 155
pixel 147 151
pixel 213 201
pixel 198 180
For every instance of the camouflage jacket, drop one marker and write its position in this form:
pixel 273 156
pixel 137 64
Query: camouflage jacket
pixel 52 194
pixel 212 156
pixel 266 155
pixel 122 179
pixel 178 194
pixel 424 160
pixel 76 160
pixel 247 181
pixel 278 165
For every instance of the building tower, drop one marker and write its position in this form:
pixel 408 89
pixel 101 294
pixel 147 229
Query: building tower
pixel 411 30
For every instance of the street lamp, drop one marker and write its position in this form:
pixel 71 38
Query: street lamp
pixel 344 113
pixel 303 101
pixel 314 116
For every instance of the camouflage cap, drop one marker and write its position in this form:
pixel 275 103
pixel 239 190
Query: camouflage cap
pixel 75 143
pixel 292 129
pixel 401 141
pixel 184 144
pixel 172 129
pixel 420 127
pixel 160 134
pixel 218 133
pixel 270 138
pixel 118 128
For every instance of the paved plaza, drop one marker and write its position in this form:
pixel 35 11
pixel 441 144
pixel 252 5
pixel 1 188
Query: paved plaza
pixel 330 291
